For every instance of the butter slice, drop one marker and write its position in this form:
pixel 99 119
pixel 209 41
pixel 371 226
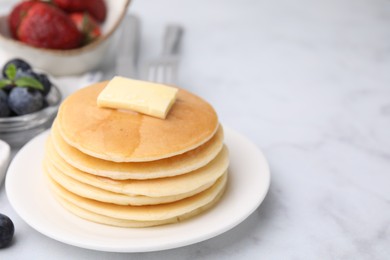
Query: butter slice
pixel 141 96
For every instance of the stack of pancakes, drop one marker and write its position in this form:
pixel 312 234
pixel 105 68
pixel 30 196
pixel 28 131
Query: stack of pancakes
pixel 127 169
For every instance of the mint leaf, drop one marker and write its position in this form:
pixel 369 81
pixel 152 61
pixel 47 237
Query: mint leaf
pixel 5 82
pixel 10 71
pixel 29 83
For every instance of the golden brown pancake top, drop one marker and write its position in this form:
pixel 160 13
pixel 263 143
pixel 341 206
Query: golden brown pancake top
pixel 129 136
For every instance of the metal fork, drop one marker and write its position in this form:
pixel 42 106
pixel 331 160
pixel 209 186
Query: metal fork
pixel 164 68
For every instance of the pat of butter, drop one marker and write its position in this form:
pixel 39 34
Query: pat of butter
pixel 145 97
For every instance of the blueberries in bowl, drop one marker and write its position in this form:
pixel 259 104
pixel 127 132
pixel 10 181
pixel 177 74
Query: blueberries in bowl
pixel 7 230
pixel 22 90
pixel 42 78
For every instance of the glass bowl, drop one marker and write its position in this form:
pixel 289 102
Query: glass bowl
pixel 18 130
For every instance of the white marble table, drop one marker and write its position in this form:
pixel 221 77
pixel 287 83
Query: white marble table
pixel 309 83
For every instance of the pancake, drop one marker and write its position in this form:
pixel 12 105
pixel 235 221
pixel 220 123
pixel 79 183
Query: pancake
pixel 94 217
pixel 125 136
pixel 172 166
pixel 91 192
pixel 143 213
pixel 160 187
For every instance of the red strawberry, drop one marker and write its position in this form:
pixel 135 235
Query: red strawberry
pixel 88 26
pixel 71 5
pixel 46 26
pixel 17 14
pixel 96 8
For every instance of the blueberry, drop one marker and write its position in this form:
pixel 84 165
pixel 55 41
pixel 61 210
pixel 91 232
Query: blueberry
pixel 26 73
pixel 24 100
pixel 7 230
pixel 4 109
pixel 38 76
pixel 45 103
pixel 45 82
pixel 7 89
pixel 19 64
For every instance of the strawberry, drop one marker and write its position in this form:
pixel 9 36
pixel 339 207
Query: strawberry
pixel 87 25
pixel 71 5
pixel 17 14
pixel 96 8
pixel 46 26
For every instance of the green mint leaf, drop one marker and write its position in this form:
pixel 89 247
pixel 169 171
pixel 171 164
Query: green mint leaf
pixel 5 82
pixel 10 71
pixel 29 83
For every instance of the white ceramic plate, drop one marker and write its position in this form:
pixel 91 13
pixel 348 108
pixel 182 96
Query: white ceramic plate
pixel 249 179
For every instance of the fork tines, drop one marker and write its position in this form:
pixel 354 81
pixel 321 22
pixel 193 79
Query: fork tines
pixel 163 71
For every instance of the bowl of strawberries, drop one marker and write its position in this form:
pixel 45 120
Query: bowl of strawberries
pixel 62 37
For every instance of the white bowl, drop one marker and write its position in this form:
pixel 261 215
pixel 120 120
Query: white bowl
pixel 67 62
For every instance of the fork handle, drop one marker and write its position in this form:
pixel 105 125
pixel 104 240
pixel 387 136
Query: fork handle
pixel 172 38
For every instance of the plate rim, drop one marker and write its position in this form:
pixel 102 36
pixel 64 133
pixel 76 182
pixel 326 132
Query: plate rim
pixel 164 246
